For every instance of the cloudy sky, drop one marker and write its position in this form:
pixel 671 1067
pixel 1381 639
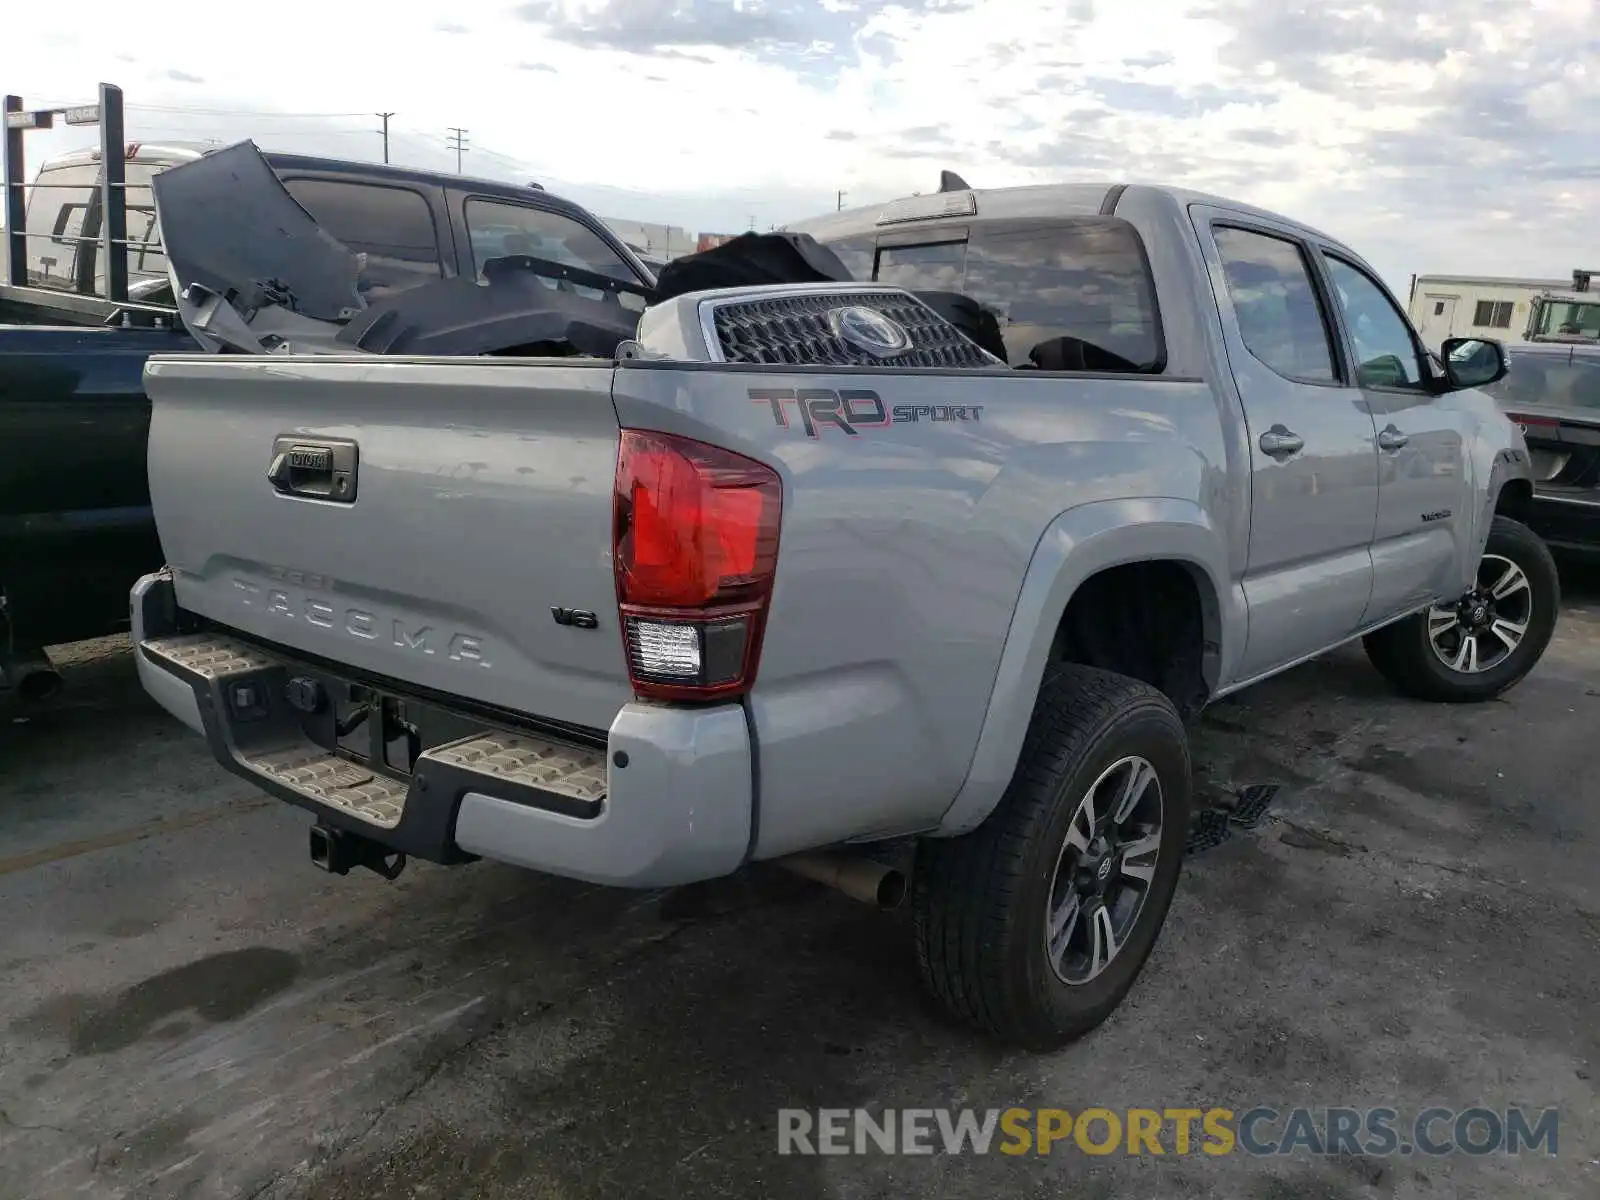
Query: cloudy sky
pixel 1460 137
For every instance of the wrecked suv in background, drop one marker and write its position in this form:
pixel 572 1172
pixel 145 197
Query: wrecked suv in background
pixel 946 552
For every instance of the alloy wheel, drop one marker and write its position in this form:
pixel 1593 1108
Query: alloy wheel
pixel 1484 628
pixel 1105 870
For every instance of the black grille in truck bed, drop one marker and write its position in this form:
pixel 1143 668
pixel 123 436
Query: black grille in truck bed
pixel 795 330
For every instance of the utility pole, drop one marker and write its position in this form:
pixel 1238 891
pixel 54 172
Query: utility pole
pixel 457 141
pixel 752 222
pixel 839 199
pixel 384 117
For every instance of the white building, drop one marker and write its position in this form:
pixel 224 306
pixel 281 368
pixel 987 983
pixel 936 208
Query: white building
pixel 654 241
pixel 1444 306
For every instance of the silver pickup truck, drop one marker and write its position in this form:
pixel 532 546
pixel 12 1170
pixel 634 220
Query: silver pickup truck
pixel 806 568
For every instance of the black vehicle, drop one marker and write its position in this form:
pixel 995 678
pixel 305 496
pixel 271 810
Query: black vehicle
pixel 75 518
pixel 1553 392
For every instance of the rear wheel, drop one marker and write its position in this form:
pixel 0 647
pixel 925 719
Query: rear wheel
pixel 1482 643
pixel 1035 925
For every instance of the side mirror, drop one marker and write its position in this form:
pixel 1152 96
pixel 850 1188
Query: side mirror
pixel 1473 362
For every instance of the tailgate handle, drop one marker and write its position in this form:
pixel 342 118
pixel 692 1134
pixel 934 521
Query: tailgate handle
pixel 314 468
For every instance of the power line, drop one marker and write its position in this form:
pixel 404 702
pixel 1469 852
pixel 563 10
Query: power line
pixel 239 112
pixel 457 141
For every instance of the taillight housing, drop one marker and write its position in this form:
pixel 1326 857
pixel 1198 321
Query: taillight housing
pixel 695 549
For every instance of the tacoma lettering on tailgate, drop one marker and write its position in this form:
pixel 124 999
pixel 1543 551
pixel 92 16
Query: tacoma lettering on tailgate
pixel 362 623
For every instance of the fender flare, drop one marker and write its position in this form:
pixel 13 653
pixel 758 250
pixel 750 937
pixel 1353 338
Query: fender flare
pixel 1080 543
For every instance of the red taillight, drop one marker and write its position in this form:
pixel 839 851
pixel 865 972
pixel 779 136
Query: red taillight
pixel 696 547
pixel 1520 419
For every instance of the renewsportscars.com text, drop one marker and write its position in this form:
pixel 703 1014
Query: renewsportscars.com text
pixel 1257 1131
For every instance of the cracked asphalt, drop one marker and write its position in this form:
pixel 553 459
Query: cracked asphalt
pixel 189 1009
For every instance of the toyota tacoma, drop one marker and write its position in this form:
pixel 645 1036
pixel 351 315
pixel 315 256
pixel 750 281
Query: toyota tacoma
pixel 803 569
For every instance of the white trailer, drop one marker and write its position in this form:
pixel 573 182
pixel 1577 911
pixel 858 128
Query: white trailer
pixel 1444 306
pixel 1508 309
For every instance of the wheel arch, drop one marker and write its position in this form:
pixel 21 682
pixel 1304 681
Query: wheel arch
pixel 1515 500
pixel 1079 546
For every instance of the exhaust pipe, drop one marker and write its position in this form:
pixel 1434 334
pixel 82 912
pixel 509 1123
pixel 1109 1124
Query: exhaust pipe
pixel 32 679
pixel 863 879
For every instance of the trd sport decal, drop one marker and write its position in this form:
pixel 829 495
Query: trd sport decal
pixel 852 410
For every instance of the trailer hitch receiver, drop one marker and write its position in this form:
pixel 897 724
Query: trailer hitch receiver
pixel 337 851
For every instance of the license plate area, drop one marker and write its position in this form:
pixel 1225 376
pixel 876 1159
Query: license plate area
pixel 375 729
pixel 367 725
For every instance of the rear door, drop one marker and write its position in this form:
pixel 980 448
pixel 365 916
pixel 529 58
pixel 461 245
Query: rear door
pixel 1425 518
pixel 1314 469
pixel 477 498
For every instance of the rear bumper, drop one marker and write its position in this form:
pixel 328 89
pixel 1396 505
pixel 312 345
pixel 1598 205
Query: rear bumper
pixel 666 800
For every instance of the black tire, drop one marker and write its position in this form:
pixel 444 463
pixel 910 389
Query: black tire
pixel 1405 656
pixel 981 900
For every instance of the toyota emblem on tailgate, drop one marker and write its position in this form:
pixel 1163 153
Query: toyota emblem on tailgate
pixel 869 331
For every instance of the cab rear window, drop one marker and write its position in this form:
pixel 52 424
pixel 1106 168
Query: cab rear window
pixel 1070 294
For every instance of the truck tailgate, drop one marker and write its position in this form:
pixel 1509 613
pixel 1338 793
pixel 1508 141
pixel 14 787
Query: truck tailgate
pixel 479 499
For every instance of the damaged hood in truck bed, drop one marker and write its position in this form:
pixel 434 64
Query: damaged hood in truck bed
pixel 253 272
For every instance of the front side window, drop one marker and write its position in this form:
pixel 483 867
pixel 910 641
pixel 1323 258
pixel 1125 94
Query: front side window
pixel 1386 353
pixel 499 230
pixel 1275 303
pixel 392 226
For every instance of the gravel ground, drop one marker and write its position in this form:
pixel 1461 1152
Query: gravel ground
pixel 190 1009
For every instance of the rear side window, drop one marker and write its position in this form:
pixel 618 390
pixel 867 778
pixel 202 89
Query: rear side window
pixel 1280 318
pixel 392 226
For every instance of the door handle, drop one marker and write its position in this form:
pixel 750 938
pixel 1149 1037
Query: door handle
pixel 1392 439
pixel 1279 440
pixel 314 469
